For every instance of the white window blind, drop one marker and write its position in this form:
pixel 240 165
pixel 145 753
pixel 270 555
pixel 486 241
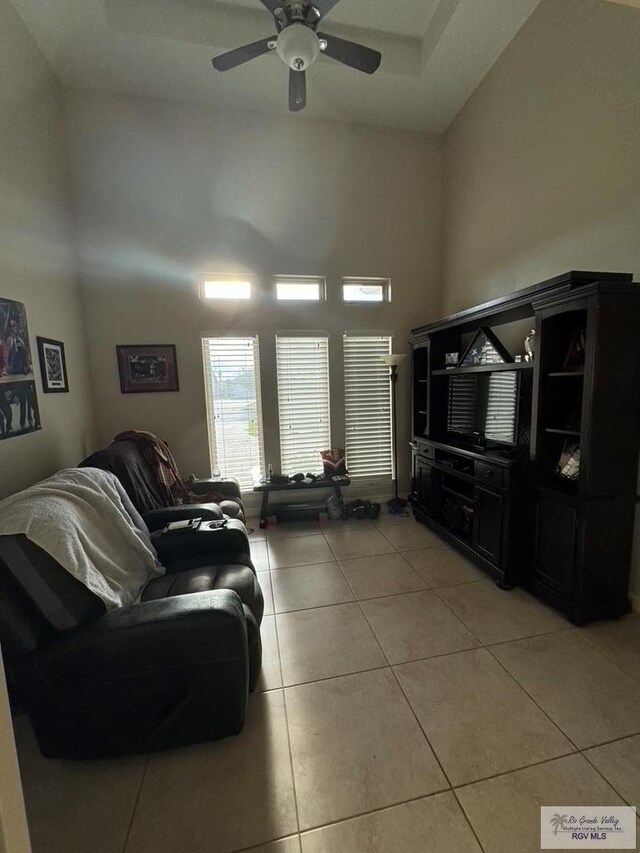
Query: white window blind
pixel 234 407
pixel 303 401
pixel 367 405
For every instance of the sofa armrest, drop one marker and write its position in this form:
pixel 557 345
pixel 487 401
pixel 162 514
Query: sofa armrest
pixel 196 630
pixel 155 519
pixel 229 487
pixel 180 546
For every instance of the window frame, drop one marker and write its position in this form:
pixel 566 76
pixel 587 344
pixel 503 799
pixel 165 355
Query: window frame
pixel 214 459
pixel 370 336
pixel 222 278
pixel 319 280
pixel 316 465
pixel 355 281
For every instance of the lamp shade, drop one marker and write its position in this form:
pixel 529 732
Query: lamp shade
pixel 394 359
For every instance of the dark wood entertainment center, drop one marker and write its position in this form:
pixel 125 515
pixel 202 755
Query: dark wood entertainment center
pixel 544 497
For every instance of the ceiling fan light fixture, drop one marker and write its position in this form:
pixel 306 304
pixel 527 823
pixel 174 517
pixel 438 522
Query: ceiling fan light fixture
pixel 298 46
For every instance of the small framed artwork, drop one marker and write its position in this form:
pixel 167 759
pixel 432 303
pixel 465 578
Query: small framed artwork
pixel 147 367
pixel 569 462
pixel 53 366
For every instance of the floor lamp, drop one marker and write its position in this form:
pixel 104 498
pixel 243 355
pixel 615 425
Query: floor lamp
pixel 392 361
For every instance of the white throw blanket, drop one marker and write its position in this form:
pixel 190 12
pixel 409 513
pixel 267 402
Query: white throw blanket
pixel 83 518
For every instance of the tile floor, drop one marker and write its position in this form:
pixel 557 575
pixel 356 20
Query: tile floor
pixel 406 705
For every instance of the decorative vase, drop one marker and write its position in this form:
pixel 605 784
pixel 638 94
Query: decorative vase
pixel 530 345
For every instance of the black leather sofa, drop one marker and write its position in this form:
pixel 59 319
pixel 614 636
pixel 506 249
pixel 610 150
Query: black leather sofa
pixel 173 669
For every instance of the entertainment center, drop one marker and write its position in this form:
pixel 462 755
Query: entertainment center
pixel 526 433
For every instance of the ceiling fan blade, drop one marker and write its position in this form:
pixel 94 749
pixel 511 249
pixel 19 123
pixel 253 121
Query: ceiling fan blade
pixel 243 54
pixel 297 90
pixel 272 5
pixel 323 6
pixel 349 53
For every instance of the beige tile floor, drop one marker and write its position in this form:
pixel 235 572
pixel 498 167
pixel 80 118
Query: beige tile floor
pixel 406 705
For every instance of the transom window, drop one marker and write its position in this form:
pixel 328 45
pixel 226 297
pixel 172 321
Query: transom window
pixel 225 287
pixel 366 290
pixel 307 288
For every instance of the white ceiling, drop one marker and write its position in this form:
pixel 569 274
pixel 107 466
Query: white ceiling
pixel 434 53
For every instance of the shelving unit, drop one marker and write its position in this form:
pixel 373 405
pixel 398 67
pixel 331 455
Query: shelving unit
pixel 555 512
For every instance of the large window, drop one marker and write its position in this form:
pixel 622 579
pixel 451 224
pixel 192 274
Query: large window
pixel 303 401
pixel 367 405
pixel 234 408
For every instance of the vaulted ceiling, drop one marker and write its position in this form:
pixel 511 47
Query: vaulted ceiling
pixel 435 53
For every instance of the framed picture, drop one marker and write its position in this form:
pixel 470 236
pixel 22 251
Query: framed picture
pixel 569 462
pixel 53 366
pixel 147 367
pixel 18 402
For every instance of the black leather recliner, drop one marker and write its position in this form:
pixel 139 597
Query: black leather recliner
pixel 128 462
pixel 173 669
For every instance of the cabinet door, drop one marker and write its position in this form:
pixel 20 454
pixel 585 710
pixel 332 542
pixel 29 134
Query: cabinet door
pixel 423 484
pixel 487 524
pixel 556 545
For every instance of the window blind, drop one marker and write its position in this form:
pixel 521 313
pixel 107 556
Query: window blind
pixel 303 401
pixel 367 405
pixel 234 407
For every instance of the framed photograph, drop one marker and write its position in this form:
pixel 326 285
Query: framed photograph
pixel 53 366
pixel 18 402
pixel 147 367
pixel 569 462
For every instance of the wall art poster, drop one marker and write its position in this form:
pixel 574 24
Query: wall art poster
pixel 18 401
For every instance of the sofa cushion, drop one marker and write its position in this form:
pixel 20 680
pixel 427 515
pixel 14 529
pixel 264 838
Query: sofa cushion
pixel 240 579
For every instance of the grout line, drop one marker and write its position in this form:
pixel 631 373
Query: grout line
pixel 410 706
pixel 468 820
pixel 374 811
pixel 524 689
pixel 288 728
pixel 608 781
pixel 143 776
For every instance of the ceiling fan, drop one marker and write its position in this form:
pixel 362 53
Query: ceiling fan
pixel 298 44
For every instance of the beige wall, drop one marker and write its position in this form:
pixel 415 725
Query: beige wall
pixel 14 834
pixel 166 191
pixel 542 167
pixel 36 257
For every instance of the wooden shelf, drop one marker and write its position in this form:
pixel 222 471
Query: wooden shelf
pixel 460 495
pixel 484 368
pixel 573 432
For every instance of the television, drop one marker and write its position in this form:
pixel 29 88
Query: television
pixel 484 406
